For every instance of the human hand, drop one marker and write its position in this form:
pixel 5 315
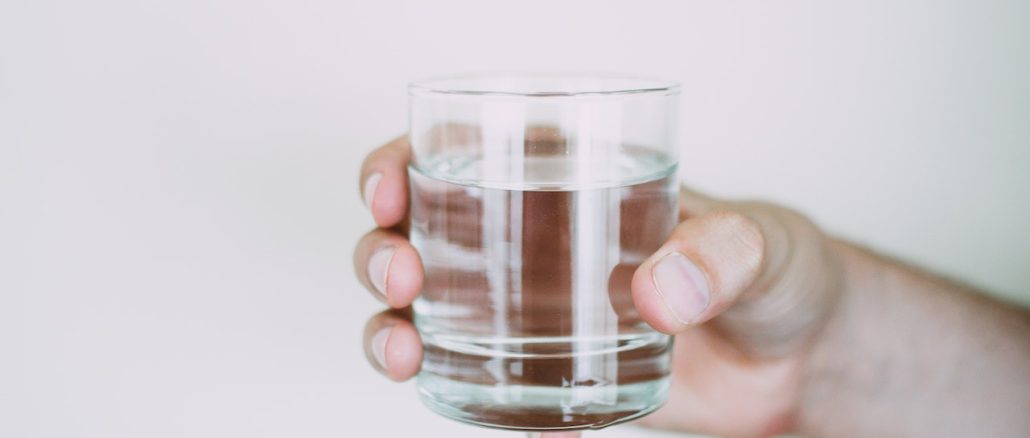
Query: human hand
pixel 744 286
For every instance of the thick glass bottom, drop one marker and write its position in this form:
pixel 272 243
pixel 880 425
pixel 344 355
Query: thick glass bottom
pixel 538 408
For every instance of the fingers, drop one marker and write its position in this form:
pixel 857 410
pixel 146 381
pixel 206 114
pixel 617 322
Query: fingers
pixel 393 346
pixel 704 266
pixel 389 267
pixel 384 182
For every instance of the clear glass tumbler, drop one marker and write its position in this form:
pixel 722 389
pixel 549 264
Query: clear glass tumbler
pixel 534 199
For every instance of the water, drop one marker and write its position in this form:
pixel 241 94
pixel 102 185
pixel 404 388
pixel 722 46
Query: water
pixel 526 315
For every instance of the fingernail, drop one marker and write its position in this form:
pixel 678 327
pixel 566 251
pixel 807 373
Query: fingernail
pixel 370 188
pixel 682 285
pixel 379 268
pixel 379 345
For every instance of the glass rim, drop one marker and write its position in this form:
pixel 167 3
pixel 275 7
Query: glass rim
pixel 493 84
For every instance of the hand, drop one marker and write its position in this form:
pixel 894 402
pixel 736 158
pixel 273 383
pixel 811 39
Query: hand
pixel 744 286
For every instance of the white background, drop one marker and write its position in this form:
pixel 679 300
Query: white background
pixel 178 180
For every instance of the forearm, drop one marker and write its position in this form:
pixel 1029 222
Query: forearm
pixel 908 354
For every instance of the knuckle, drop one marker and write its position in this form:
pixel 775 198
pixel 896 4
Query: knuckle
pixel 742 233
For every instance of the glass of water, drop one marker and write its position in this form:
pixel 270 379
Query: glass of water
pixel 534 199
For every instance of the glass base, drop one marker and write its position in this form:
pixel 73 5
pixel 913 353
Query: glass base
pixel 538 408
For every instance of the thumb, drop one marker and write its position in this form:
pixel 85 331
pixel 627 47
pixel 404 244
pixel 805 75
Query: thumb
pixel 708 261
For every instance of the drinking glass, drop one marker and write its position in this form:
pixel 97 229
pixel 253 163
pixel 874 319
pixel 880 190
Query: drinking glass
pixel 534 199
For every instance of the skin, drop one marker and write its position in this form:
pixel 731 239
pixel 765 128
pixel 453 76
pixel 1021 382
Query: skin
pixel 801 333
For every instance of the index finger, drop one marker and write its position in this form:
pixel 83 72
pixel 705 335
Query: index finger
pixel 384 182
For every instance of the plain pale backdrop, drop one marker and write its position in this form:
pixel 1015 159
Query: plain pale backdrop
pixel 178 180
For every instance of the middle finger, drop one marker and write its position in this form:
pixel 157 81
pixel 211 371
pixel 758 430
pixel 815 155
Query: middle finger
pixel 389 267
